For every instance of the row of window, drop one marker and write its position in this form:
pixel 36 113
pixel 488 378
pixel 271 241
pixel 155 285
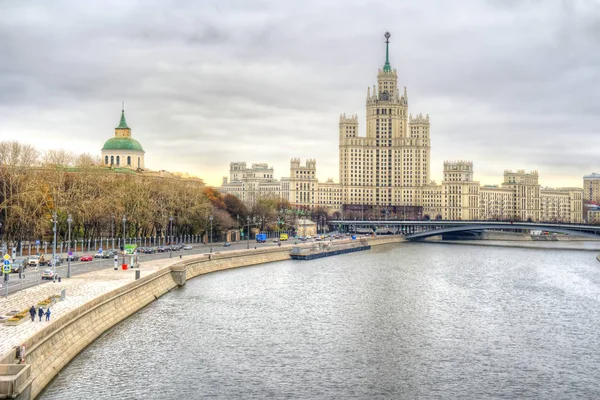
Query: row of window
pixel 117 161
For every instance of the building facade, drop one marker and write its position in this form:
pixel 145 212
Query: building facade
pixel 591 188
pixel 250 184
pixel 391 164
pixel 123 151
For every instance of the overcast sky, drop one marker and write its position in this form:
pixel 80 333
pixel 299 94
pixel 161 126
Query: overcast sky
pixel 508 84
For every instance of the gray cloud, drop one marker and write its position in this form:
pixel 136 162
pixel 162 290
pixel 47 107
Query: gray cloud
pixel 508 84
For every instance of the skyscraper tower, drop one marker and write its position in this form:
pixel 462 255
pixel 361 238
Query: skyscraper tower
pixel 390 165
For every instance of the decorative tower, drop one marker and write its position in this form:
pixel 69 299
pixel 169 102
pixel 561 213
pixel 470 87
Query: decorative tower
pixel 122 151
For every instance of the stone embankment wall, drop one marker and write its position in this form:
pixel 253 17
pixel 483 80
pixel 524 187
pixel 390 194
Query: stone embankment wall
pixel 53 348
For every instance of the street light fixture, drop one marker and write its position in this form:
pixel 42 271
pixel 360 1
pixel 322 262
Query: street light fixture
pixel 54 219
pixel 211 220
pixel 171 246
pixel 124 221
pixel 69 221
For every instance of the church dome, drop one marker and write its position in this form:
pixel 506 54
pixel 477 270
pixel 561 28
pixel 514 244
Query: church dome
pixel 122 143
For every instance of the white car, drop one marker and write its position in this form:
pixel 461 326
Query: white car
pixel 187 247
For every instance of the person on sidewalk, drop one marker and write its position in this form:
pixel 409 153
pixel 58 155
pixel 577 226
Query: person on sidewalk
pixel 48 314
pixel 32 313
pixel 41 313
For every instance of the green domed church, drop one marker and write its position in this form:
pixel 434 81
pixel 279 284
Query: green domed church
pixel 123 151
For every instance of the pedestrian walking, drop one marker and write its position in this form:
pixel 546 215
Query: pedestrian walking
pixel 48 314
pixel 41 313
pixel 32 313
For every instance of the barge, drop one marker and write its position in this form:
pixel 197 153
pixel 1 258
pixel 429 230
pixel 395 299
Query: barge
pixel 320 250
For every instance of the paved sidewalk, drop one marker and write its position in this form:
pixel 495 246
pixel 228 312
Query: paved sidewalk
pixel 79 290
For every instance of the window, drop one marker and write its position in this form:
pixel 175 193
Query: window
pixel 128 160
pixel 106 160
pixel 118 160
pixel 112 160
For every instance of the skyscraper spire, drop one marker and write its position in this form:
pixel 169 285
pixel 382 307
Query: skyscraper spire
pixel 387 67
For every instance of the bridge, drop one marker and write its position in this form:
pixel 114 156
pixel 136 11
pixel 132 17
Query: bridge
pixel 418 230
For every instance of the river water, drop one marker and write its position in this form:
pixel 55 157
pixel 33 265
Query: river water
pixel 408 321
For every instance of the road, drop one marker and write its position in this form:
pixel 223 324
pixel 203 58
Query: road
pixel 31 277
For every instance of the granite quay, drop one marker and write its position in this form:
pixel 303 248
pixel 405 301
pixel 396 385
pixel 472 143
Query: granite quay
pixel 34 352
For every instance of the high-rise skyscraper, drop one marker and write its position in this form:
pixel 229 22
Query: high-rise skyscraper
pixel 391 164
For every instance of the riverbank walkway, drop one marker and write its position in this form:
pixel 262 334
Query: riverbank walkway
pixel 80 289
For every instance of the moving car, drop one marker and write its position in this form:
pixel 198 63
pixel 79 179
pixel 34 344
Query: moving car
pixel 34 261
pixel 99 254
pixel 47 274
pixel 109 254
pixel 72 257
pixel 187 247
pixel 86 258
pixel 283 237
pixel 226 244
pixel 55 261
pixel 16 264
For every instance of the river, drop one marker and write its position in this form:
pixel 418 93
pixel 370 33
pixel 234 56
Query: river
pixel 408 321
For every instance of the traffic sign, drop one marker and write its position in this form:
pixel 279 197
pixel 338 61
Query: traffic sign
pixel 6 257
pixel 100 250
pixel 7 268
pixel 6 262
pixel 37 242
pixel 70 253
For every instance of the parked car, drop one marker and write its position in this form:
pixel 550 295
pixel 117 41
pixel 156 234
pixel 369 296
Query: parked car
pixel 188 247
pixel 226 244
pixel 47 274
pixel 17 264
pixel 86 258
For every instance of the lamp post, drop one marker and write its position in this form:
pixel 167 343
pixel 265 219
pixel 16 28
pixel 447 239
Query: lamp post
pixel 211 220
pixel 54 218
pixel 112 230
pixel 248 238
pixel 69 221
pixel 238 228
pixel 124 221
pixel 171 246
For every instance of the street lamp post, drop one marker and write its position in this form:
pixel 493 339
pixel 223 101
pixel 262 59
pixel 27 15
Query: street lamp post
pixel 69 221
pixel 124 221
pixel 211 220
pixel 238 228
pixel 248 238
pixel 171 246
pixel 54 219
pixel 112 230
